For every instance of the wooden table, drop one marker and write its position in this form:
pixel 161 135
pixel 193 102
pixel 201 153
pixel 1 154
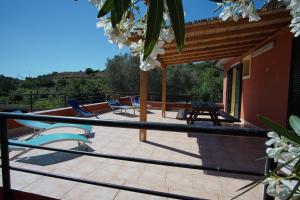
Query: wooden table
pixel 204 108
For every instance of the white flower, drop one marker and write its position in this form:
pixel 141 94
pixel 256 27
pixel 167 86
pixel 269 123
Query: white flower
pixel 294 7
pixel 251 11
pixel 287 183
pixel 285 188
pixel 226 13
pixel 271 189
pixel 167 35
pixel 97 3
pixel 149 63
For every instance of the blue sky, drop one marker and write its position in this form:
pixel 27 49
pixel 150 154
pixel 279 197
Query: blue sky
pixel 41 36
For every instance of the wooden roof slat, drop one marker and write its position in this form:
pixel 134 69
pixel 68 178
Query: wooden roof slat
pixel 225 48
pixel 236 27
pixel 222 39
pixel 274 15
pixel 229 35
pixel 215 39
pixel 214 45
pixel 207 58
pixel 239 50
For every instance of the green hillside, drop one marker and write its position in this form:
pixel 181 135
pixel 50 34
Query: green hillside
pixel 121 75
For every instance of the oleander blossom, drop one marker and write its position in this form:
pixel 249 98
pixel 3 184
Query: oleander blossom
pixel 286 152
pixel 294 7
pixel 97 3
pixel 246 8
pixel 120 35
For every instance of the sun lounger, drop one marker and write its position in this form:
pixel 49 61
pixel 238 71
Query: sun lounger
pixel 46 139
pixel 81 109
pixel 41 126
pixel 116 105
pixel 135 101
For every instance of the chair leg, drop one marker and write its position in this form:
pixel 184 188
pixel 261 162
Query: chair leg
pixel 83 145
pixel 20 154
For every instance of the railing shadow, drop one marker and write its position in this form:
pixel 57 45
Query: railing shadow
pixel 51 158
pixel 174 149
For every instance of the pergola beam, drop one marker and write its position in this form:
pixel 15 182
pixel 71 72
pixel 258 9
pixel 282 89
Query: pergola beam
pixel 210 50
pixel 143 102
pixel 163 90
pixel 238 51
pixel 230 41
pixel 203 58
pixel 215 43
pixel 217 37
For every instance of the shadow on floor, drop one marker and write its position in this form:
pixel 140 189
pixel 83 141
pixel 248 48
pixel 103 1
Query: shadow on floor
pixel 174 149
pixel 52 158
pixel 235 153
pixel 126 114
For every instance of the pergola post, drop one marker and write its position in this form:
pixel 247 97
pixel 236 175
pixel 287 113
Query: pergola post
pixel 143 102
pixel 164 90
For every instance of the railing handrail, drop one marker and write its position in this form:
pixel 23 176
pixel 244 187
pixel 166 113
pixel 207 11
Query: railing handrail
pixel 226 131
pixel 246 132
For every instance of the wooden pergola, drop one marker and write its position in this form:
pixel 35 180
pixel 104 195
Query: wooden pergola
pixel 212 39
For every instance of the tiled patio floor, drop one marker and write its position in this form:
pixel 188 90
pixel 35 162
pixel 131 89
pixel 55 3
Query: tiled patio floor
pixel 216 151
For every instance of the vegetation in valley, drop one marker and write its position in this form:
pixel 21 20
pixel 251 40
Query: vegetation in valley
pixel 121 76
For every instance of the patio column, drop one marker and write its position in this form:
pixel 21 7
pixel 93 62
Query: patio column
pixel 143 102
pixel 163 90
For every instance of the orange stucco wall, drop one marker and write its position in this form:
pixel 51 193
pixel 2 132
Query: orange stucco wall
pixel 103 106
pixel 62 112
pixel 266 91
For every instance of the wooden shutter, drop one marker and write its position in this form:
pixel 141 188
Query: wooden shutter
pixel 294 88
pixel 238 90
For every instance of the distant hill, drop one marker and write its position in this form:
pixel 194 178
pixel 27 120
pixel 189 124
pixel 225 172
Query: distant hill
pixel 69 75
pixel 7 84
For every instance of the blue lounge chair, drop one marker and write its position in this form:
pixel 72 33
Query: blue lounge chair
pixel 116 105
pixel 81 109
pixel 135 101
pixel 42 126
pixel 46 139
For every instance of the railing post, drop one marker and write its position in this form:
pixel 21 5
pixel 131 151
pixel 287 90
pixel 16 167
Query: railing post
pixel 65 100
pixel 5 160
pixel 270 165
pixel 31 102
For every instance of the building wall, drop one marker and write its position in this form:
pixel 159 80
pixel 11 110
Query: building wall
pixel 266 91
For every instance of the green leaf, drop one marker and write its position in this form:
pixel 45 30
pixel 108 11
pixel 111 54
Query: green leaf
pixel 217 1
pixel 297 166
pixel 295 123
pixel 106 8
pixel 217 9
pixel 114 18
pixel 154 23
pixel 280 130
pixel 120 6
pixel 177 20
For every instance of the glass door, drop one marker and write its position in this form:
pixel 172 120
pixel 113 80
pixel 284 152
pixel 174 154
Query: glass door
pixel 234 90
